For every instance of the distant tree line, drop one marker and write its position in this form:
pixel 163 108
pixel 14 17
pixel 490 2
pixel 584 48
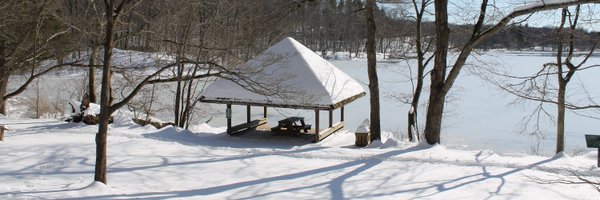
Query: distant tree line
pixel 525 37
pixel 339 26
pixel 324 26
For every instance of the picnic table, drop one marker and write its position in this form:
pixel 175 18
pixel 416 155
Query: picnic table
pixel 291 125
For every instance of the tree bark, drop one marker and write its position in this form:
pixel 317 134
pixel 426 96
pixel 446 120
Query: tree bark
pixel 562 85
pixel 92 73
pixel 3 91
pixel 3 78
pixel 437 96
pixel 101 140
pixel 372 71
pixel 560 121
pixel 189 106
pixel 177 109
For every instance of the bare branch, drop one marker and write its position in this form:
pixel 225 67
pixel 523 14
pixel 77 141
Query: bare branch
pixel 569 177
pixel 34 76
pixel 479 24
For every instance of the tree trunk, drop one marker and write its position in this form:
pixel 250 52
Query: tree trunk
pixel 372 71
pixel 92 73
pixel 177 109
pixel 3 91
pixel 437 95
pixel 435 111
pixel 105 98
pixel 187 111
pixel 413 132
pixel 4 75
pixel 101 139
pixel 560 121
pixel 562 86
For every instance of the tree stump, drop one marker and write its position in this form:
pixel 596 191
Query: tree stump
pixel 2 129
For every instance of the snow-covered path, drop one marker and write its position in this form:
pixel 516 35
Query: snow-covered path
pixel 55 160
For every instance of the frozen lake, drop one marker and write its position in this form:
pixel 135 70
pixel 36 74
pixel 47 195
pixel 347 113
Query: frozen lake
pixel 478 114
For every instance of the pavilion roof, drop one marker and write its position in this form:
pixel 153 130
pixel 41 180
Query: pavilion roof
pixel 287 75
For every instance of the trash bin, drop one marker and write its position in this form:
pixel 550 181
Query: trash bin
pixel 363 134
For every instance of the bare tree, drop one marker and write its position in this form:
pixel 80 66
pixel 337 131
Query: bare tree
pixel 30 31
pixel 113 11
pixel 566 68
pixel 422 47
pixel 539 87
pixel 441 81
pixel 86 17
pixel 372 71
pixel 94 36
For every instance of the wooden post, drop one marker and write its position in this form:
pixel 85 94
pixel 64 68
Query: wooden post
pixel 330 118
pixel 2 128
pixel 342 114
pixel 228 114
pixel 265 112
pixel 598 157
pixel 248 114
pixel 317 122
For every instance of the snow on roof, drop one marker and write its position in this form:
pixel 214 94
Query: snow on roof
pixel 288 74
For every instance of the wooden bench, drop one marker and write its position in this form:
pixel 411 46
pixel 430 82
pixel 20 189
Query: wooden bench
pixel 246 126
pixel 327 132
pixel 2 129
pixel 290 125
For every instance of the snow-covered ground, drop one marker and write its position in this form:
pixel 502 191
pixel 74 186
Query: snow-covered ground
pixel 46 159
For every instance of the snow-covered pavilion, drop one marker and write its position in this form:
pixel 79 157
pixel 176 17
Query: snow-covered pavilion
pixel 286 75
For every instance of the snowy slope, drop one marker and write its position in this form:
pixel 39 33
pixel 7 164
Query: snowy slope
pixel 55 160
